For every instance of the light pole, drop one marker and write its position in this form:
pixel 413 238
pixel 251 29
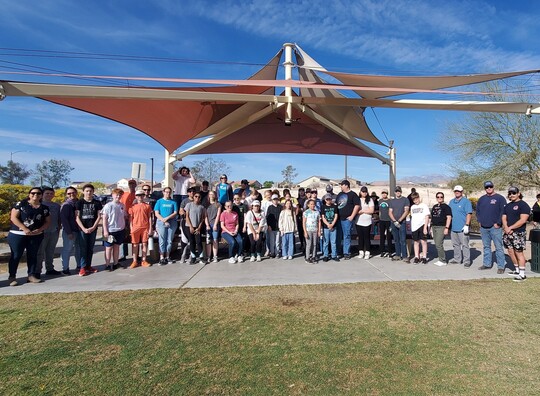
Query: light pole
pixel 10 165
pixel 152 176
pixel 15 152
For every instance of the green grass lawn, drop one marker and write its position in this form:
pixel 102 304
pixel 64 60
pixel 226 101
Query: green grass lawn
pixel 400 338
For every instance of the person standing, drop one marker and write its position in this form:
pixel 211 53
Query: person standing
pixel 114 224
pixel 128 199
pixel 166 212
pixel 273 241
pixel 88 213
pixel 197 223
pixel 224 190
pixel 312 231
pixel 182 179
pixel 348 204
pixel 441 218
pixel 70 230
pixel 140 221
pixel 536 212
pixel 461 220
pixel 419 228
pixel 256 228
pixel 514 219
pixel 29 218
pixel 287 228
pixel 385 232
pixel 363 223
pixel 329 223
pixel 213 211
pixel 489 210
pixel 399 210
pixel 50 235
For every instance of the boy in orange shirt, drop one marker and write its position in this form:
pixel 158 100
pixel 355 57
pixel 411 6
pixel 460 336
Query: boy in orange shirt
pixel 140 217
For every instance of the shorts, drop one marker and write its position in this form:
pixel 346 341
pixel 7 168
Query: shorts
pixel 515 241
pixel 213 234
pixel 139 236
pixel 119 237
pixel 419 234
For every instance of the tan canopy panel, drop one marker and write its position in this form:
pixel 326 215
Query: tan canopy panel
pixel 413 82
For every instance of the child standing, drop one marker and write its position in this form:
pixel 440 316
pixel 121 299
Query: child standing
pixel 287 227
pixel 140 218
pixel 419 227
pixel 256 226
pixel 312 230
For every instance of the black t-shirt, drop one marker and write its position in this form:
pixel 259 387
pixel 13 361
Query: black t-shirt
pixel 88 211
pixel 346 201
pixel 272 216
pixel 439 213
pixel 514 210
pixel 536 212
pixel 31 217
pixel 329 212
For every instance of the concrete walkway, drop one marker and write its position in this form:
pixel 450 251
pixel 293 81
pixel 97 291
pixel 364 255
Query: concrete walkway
pixel 264 273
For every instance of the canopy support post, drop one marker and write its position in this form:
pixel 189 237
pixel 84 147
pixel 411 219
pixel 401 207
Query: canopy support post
pixel 392 168
pixel 288 65
pixel 169 169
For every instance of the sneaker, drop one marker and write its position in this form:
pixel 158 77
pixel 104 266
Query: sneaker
pixel 134 264
pixel 83 272
pixel 453 261
pixel 33 279
pixel 367 255
pixel 467 265
pixel 215 260
pixel 12 281
pixel 307 260
pixel 346 257
pixel 53 272
pixel 232 260
pixel 440 263
pixel 240 259
pixel 252 259
pixel 146 263
pixel 360 254
pixel 500 271
pixel 513 273
pixel 483 267
pixel 384 254
pixel 66 272
pixel 396 258
pixel 285 257
pixel 290 257
pixel 163 261
pixel 416 260
pixel 171 261
pixel 91 270
pixel 259 257
pixel 336 259
pixel 406 260
pixel 202 260
pixel 325 259
pixel 424 260
pixel 520 278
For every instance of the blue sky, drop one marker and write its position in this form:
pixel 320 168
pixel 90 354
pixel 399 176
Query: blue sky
pixel 232 37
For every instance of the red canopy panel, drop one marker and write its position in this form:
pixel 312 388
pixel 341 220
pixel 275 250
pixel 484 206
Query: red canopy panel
pixel 271 135
pixel 170 123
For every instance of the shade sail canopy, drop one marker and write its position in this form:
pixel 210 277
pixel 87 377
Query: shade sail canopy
pixel 248 115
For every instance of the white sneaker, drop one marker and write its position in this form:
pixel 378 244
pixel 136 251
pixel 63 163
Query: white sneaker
pixel 284 257
pixel 290 257
pixel 440 263
pixel 232 260
pixel 366 255
pixel 360 254
pixel 240 259
pixel 252 259
pixel 215 260
pixel 258 258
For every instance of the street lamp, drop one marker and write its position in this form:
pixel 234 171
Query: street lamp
pixel 15 152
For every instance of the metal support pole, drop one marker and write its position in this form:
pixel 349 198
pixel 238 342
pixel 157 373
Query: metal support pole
pixel 392 167
pixel 169 169
pixel 152 175
pixel 288 64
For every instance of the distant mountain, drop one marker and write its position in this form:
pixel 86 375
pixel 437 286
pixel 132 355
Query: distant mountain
pixel 433 178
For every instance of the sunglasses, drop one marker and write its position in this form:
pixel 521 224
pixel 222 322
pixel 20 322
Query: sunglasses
pixel 512 193
pixel 488 187
pixel 146 189
pixel 35 193
pixel 71 193
pixel 196 196
pixel 440 196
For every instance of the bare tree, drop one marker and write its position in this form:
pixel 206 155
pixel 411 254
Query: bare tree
pixel 501 147
pixel 209 169
pixel 289 173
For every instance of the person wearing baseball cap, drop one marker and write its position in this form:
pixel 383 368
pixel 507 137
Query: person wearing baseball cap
pixel 514 220
pixel 385 231
pixel 489 210
pixel 255 227
pixel 399 210
pixel 461 220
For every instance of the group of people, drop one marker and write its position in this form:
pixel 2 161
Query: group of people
pixel 256 225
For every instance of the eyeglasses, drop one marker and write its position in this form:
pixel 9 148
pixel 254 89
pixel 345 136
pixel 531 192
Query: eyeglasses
pixel 439 196
pixel 35 193
pixel 146 189
pixel 512 193
pixel 196 196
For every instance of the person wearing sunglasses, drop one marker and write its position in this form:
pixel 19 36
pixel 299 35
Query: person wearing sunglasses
pixel 514 219
pixel 88 215
pixel 29 218
pixel 461 220
pixel 441 218
pixel 489 210
pixel 224 190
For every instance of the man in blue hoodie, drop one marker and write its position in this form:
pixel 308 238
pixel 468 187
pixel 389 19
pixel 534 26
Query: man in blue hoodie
pixel 489 210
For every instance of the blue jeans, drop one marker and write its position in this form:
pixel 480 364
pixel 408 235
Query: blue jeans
pixel 166 235
pixel 234 242
pixel 346 227
pixel 400 239
pixel 86 245
pixel 329 238
pixel 18 244
pixel 287 244
pixel 488 235
pixel 67 246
